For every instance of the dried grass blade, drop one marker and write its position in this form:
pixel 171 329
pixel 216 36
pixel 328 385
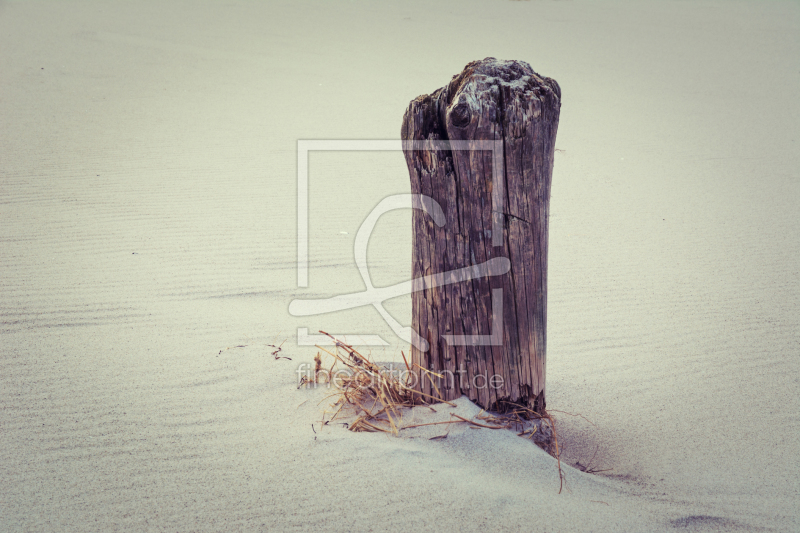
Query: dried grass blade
pixel 476 423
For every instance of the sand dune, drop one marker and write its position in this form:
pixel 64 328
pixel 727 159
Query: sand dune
pixel 148 223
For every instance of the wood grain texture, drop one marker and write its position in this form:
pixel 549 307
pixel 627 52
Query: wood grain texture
pixel 490 100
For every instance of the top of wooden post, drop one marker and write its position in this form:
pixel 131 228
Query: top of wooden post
pixel 453 112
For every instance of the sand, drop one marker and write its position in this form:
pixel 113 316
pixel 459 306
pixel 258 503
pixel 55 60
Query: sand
pixel 148 200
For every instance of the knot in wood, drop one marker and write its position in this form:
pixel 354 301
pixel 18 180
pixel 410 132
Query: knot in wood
pixel 461 115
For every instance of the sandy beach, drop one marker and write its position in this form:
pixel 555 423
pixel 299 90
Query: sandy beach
pixel 148 258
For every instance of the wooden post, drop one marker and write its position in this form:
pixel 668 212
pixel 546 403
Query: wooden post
pixel 482 147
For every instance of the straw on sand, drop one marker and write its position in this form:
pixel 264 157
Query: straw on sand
pixel 376 397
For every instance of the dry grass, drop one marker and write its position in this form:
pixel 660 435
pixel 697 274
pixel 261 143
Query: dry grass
pixel 374 393
pixel 376 398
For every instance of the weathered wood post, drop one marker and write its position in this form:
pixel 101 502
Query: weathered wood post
pixel 482 147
